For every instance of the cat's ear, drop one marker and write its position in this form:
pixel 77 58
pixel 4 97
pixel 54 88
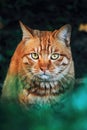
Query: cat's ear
pixel 64 34
pixel 26 32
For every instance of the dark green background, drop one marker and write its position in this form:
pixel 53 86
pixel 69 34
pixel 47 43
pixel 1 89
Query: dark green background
pixel 45 15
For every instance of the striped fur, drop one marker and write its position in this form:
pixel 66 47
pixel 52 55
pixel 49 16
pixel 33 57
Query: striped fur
pixel 43 79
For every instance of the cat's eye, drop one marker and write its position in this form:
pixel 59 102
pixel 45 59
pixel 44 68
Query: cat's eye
pixel 54 56
pixel 35 56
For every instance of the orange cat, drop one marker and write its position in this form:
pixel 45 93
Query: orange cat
pixel 41 69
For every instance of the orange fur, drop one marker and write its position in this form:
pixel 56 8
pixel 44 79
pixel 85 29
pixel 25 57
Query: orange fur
pixel 83 27
pixel 44 76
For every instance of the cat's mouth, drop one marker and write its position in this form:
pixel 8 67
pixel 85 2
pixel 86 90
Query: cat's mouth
pixel 44 77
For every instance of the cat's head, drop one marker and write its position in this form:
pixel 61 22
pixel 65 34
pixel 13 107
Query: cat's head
pixel 46 55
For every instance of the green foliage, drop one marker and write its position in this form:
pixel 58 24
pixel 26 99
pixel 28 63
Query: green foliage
pixel 69 115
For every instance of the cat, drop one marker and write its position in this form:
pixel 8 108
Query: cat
pixel 42 68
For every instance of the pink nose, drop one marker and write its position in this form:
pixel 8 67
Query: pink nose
pixel 43 68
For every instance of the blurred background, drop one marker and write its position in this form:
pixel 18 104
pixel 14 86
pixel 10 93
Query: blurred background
pixel 46 15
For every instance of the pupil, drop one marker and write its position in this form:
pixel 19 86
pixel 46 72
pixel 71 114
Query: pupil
pixel 55 56
pixel 35 55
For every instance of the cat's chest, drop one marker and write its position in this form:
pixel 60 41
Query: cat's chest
pixel 32 98
pixel 42 92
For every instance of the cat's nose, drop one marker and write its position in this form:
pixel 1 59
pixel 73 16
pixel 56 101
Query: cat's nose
pixel 43 68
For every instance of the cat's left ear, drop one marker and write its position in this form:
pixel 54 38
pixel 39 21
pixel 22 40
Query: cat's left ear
pixel 64 34
pixel 26 31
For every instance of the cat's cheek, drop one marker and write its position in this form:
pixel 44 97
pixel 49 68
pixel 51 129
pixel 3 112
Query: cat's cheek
pixel 64 61
pixel 25 60
pixel 56 63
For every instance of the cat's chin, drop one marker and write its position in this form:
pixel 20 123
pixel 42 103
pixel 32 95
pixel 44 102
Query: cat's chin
pixel 44 77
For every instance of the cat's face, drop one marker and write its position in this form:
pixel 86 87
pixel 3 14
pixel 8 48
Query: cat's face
pixel 46 58
pixel 46 61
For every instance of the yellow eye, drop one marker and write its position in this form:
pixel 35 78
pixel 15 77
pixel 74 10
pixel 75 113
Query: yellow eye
pixel 35 56
pixel 54 56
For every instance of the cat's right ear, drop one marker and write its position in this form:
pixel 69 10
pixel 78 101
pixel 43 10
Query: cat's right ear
pixel 26 32
pixel 63 34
